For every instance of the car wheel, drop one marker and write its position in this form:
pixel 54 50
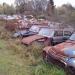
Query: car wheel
pixel 47 58
pixel 70 70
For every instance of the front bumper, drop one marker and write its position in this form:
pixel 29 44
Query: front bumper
pixel 67 61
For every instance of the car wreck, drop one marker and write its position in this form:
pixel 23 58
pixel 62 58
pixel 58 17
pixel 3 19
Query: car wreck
pixel 63 52
pixel 44 34
pixel 48 37
pixel 24 33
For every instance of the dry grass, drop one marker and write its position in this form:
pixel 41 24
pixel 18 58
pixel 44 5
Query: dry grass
pixel 17 59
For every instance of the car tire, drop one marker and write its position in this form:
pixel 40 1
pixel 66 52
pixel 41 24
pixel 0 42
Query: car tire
pixel 70 70
pixel 47 59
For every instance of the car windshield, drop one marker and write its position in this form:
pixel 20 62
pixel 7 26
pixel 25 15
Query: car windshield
pixel 23 31
pixel 46 32
pixel 34 29
pixel 72 37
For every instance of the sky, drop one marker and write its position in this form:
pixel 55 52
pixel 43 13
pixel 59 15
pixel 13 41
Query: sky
pixel 7 1
pixel 60 2
pixel 57 2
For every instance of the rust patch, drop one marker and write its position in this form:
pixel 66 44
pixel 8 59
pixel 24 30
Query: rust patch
pixel 30 39
pixel 58 51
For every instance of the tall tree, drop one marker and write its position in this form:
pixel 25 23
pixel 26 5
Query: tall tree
pixel 8 9
pixel 50 8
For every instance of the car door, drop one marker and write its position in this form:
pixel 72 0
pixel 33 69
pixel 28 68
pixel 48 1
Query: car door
pixel 58 37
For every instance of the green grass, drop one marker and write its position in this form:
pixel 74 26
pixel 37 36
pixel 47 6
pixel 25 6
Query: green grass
pixel 48 69
pixel 17 59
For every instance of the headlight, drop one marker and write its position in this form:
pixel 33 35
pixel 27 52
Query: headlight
pixel 71 62
pixel 70 52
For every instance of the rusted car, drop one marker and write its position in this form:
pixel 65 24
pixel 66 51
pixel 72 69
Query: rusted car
pixel 64 53
pixel 48 37
pixel 24 33
pixel 61 36
pixel 44 34
pixel 11 25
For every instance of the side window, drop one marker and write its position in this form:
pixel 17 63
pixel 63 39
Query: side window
pixel 59 33
pixel 67 33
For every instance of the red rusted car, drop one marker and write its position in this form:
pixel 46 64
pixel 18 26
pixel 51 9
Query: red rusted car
pixel 43 35
pixel 63 52
pixel 47 37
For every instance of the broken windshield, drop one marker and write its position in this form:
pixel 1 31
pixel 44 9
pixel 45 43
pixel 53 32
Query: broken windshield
pixel 46 32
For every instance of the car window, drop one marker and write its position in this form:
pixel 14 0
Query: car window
pixel 59 33
pixel 72 37
pixel 46 32
pixel 34 29
pixel 67 33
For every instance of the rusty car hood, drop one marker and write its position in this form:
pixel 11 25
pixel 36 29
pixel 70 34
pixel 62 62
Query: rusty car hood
pixel 60 47
pixel 61 51
pixel 30 39
pixel 65 45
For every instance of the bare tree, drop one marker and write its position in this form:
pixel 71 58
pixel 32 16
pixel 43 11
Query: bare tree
pixel 22 5
pixel 19 2
pixel 39 5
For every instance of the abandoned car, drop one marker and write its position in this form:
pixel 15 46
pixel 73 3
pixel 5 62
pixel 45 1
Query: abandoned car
pixel 48 36
pixel 64 52
pixel 44 34
pixel 24 33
